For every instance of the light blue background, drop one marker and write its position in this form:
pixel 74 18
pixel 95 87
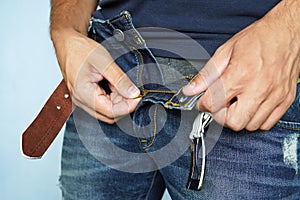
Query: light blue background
pixel 29 73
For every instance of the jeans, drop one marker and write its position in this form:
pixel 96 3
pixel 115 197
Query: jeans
pixel 149 150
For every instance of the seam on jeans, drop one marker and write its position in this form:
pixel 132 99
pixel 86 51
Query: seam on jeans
pixel 288 128
pixel 138 67
pixel 151 186
pixel 146 91
pixel 192 99
pixel 125 15
pixel 189 76
pixel 141 70
pixel 154 129
pixel 288 125
pixel 176 94
pixel 138 40
pixel 170 101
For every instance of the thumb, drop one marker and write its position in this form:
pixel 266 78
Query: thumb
pixel 212 70
pixel 102 60
pixel 121 82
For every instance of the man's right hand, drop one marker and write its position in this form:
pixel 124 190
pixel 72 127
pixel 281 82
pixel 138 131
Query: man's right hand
pixel 84 63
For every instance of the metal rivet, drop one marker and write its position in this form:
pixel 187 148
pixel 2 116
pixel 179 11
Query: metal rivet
pixel 118 34
pixel 66 96
pixel 58 107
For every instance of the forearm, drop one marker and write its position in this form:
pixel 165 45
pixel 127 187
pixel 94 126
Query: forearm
pixel 283 19
pixel 70 15
pixel 286 14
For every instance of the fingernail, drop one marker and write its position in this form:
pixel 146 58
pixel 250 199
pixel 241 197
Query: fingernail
pixel 133 92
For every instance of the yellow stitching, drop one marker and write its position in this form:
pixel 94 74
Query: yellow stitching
pixel 170 100
pixel 142 70
pixel 160 91
pixel 189 76
pixel 144 141
pixel 118 18
pixel 155 129
pixel 288 128
pixel 166 105
pixel 144 91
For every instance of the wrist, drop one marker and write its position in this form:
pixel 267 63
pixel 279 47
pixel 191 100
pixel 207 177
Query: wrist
pixel 59 35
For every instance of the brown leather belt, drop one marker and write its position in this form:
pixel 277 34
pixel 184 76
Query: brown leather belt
pixel 42 131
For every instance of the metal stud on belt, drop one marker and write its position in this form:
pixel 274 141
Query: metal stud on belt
pixel 196 175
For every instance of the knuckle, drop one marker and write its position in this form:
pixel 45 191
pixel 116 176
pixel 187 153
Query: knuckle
pixel 205 104
pixel 266 90
pixel 119 79
pixel 265 127
pixel 252 127
pixel 290 99
pixel 282 95
pixel 235 124
pixel 109 115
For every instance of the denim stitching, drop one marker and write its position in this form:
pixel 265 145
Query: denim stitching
pixel 155 129
pixel 294 126
pixel 138 67
pixel 288 128
pixel 141 69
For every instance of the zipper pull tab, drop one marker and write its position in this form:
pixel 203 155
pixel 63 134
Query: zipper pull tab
pixel 196 176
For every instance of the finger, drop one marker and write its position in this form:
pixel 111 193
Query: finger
pixel 277 102
pixel 220 116
pixel 94 113
pixel 209 73
pixel 274 117
pixel 240 112
pixel 124 107
pixel 95 98
pixel 113 73
pixel 263 112
pixel 214 98
pixel 278 112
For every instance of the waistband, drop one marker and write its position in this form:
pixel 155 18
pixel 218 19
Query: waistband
pixel 132 54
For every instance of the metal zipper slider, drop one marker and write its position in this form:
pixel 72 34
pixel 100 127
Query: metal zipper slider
pixel 196 176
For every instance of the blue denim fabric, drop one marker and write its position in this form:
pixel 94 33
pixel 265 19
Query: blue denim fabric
pixel 241 165
pixel 131 53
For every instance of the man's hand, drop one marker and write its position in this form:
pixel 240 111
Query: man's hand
pixel 84 63
pixel 251 79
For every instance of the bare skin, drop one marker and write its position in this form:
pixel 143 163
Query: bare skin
pixel 258 70
pixel 84 63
